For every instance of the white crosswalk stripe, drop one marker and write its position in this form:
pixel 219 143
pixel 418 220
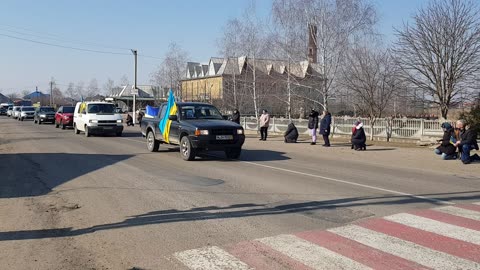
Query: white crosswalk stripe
pixel 310 254
pixel 457 211
pixel 404 249
pixel 308 249
pixel 212 258
pixel 437 227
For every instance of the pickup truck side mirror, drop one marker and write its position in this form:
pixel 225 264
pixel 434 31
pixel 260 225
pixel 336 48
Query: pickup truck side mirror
pixel 225 117
pixel 173 118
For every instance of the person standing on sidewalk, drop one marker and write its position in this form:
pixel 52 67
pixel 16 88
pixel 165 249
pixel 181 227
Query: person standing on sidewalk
pixel 264 124
pixel 325 127
pixel 313 125
pixel 235 116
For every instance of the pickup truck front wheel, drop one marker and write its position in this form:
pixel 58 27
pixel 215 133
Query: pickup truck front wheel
pixel 233 153
pixel 152 143
pixel 186 150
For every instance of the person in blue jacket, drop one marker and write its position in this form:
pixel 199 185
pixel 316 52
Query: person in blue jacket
pixel 325 127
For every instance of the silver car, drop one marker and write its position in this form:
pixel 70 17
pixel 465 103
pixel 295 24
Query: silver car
pixel 26 112
pixel 16 112
pixel 10 111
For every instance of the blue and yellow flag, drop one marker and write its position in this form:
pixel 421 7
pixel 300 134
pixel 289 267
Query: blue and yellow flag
pixel 165 123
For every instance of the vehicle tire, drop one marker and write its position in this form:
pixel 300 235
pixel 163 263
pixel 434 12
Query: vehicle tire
pixel 56 124
pixel 186 150
pixel 34 121
pixel 233 153
pixel 39 122
pixel 76 129
pixel 152 143
pixel 87 133
pixel 21 119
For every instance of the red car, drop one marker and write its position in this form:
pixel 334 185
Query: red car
pixel 64 117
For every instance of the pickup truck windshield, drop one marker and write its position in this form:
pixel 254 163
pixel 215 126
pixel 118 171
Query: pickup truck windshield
pixel 101 108
pixel 200 112
pixel 46 109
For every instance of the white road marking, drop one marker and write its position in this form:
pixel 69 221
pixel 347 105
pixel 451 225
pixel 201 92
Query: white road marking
pixel 349 183
pixel 404 249
pixel 441 228
pixel 334 180
pixel 457 211
pixel 310 254
pixel 212 258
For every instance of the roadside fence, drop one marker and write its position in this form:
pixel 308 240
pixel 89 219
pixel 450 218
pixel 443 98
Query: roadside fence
pixel 401 128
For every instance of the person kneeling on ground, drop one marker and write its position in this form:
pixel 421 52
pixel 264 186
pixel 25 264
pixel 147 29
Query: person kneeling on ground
pixel 129 120
pixel 358 137
pixel 446 147
pixel 467 142
pixel 291 135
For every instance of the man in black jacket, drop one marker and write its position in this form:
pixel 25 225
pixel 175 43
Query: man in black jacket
pixel 446 148
pixel 467 142
pixel 313 125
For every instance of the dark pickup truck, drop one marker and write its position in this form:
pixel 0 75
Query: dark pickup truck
pixel 195 128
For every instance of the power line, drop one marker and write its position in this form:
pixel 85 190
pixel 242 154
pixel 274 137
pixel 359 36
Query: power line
pixel 62 46
pixel 56 37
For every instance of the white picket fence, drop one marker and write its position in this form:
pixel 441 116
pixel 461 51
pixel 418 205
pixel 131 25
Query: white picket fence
pixel 398 128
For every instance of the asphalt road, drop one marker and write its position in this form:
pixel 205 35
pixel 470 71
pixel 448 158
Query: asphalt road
pixel 71 202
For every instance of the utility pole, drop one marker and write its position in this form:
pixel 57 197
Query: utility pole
pixel 134 91
pixel 51 93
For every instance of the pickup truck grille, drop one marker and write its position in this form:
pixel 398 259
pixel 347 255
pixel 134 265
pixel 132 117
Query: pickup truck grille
pixel 107 121
pixel 223 131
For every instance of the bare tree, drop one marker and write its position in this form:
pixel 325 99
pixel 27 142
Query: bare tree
pixel 337 24
pixel 371 76
pixel 25 93
pixel 109 87
pixel 124 80
pixel 440 53
pixel 70 91
pixel 12 96
pixel 92 89
pixel 172 69
pixel 80 90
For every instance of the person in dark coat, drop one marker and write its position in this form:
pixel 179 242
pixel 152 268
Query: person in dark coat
pixel 325 127
pixel 236 116
pixel 358 137
pixel 129 120
pixel 467 142
pixel 446 147
pixel 140 117
pixel 291 135
pixel 313 125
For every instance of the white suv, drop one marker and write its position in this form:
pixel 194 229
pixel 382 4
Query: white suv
pixel 97 118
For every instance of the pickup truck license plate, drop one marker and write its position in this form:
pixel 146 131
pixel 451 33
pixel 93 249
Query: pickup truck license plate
pixel 224 137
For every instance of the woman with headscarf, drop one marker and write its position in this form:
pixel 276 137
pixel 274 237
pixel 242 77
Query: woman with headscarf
pixel 358 137
pixel 291 135
pixel 447 144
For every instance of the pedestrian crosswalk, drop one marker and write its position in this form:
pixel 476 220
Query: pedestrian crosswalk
pixel 441 238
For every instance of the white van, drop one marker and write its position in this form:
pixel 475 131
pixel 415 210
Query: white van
pixel 97 118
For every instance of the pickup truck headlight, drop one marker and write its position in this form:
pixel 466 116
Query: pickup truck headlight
pixel 93 121
pixel 199 132
pixel 23 113
pixel 240 131
pixel 43 115
pixel 120 121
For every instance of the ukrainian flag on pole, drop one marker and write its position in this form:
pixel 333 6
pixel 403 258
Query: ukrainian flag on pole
pixel 165 123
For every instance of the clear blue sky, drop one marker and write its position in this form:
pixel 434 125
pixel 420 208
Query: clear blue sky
pixel 148 26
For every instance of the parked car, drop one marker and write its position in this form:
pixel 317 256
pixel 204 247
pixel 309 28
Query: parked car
pixel 16 112
pixel 26 112
pixel 64 117
pixel 3 111
pixel 97 118
pixel 9 111
pixel 44 115
pixel 195 127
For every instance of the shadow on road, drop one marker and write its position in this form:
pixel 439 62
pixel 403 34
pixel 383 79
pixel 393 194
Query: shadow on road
pixel 34 174
pixel 247 155
pixel 235 211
